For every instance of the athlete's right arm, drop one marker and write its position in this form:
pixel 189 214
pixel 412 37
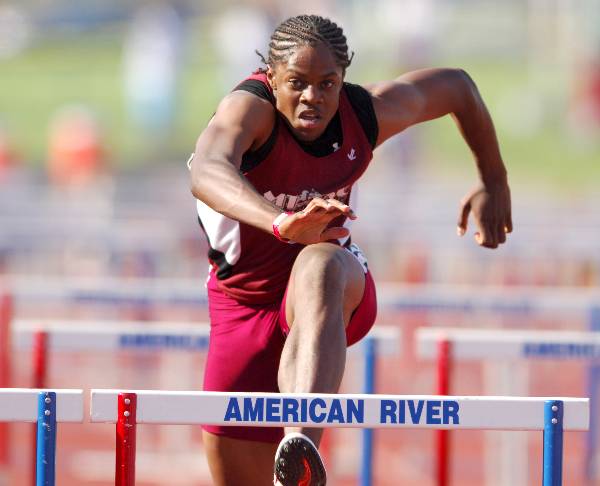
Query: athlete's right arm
pixel 242 122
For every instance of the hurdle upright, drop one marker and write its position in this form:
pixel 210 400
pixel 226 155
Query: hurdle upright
pixel 504 345
pixel 46 407
pixel 551 415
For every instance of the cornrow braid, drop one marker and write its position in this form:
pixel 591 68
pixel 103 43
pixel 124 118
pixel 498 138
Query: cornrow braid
pixel 307 30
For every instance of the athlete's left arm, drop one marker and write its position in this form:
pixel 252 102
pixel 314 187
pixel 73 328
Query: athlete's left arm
pixel 427 94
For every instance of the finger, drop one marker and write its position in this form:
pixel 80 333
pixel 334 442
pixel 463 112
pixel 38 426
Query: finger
pixel 501 231
pixel 344 208
pixel 334 233
pixel 485 238
pixel 317 202
pixel 463 217
pixel 509 224
pixel 494 238
pixel 315 205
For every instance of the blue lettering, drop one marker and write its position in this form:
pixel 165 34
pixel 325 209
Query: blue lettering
pixel 335 413
pixel 415 413
pixel 272 413
pixel 402 412
pixel 313 405
pixel 289 407
pixel 169 341
pixel 575 350
pixel 355 412
pixel 388 410
pixel 303 410
pixel 433 412
pixel 253 413
pixel 233 411
pixel 450 408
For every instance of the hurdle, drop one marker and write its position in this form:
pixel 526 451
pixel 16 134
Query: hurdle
pixel 46 407
pixel 446 345
pixel 126 409
pixel 44 336
pixel 6 310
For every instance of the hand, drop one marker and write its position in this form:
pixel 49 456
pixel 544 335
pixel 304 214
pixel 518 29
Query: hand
pixel 491 210
pixel 310 225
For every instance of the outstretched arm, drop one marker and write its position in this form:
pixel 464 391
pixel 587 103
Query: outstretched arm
pixel 432 93
pixel 243 122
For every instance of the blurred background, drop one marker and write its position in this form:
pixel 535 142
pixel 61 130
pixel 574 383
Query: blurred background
pixel 101 103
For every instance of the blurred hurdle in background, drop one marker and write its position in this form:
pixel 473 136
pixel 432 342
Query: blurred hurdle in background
pixel 46 408
pixel 506 348
pixel 46 337
pixel 128 408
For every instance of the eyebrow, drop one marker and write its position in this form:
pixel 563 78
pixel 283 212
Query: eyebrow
pixel 293 71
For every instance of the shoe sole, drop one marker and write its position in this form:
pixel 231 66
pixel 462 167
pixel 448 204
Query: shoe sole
pixel 293 451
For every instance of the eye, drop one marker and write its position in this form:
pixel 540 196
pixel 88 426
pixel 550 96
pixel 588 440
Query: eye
pixel 297 84
pixel 327 84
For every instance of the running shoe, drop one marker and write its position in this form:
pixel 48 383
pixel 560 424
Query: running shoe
pixel 298 462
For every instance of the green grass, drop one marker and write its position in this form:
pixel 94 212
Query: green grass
pixel 59 72
pixel 549 154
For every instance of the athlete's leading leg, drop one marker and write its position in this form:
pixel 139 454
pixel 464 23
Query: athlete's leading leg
pixel 326 285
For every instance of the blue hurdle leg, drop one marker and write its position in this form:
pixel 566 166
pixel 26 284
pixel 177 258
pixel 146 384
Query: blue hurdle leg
pixel 591 468
pixel 553 443
pixel 370 356
pixel 46 439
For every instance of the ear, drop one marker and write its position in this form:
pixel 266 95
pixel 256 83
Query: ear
pixel 271 78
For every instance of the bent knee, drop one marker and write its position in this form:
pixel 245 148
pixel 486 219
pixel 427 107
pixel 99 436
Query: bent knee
pixel 321 261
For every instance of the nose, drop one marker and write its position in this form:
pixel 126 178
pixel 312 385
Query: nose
pixel 311 94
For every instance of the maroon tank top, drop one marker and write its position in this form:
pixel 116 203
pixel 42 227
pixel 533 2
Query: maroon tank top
pixel 253 266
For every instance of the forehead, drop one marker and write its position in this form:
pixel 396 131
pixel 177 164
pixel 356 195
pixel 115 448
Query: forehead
pixel 317 60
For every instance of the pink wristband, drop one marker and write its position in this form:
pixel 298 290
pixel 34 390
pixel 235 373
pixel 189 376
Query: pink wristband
pixel 276 222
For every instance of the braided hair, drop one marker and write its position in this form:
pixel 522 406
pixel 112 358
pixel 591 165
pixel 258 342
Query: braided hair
pixel 307 30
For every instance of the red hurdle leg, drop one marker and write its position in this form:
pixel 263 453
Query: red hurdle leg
pixel 6 310
pixel 443 436
pixel 126 427
pixel 40 359
pixel 39 355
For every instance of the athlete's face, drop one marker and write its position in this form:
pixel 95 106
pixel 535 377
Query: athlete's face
pixel 307 89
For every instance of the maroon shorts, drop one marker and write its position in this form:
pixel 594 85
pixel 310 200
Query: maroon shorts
pixel 245 347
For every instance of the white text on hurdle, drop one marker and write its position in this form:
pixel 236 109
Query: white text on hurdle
pixel 351 411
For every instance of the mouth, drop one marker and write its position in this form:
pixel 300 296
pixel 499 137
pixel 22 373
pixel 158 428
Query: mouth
pixel 309 118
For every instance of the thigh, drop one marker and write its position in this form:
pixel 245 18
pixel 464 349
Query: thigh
pixel 361 311
pixel 235 462
pixel 243 356
pixel 310 262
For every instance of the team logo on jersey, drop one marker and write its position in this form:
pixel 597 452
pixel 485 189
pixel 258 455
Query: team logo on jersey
pixel 352 154
pixel 297 202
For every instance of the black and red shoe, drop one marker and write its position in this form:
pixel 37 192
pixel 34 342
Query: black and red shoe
pixel 298 462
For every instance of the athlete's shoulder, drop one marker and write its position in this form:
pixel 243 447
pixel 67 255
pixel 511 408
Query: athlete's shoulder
pixel 243 104
pixel 258 85
pixel 362 103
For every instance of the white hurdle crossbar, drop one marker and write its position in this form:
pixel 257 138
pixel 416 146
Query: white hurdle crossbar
pixel 21 405
pixel 507 346
pixel 337 410
pixel 46 407
pixel 83 335
pixel 127 408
